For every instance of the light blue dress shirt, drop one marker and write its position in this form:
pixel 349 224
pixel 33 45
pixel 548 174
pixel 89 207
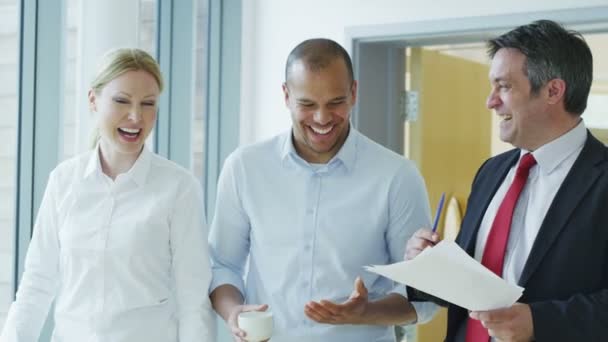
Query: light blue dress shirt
pixel 308 230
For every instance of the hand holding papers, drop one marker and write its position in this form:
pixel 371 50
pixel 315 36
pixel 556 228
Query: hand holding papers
pixel 447 272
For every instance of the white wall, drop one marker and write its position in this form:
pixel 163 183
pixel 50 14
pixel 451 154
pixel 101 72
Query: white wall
pixel 271 28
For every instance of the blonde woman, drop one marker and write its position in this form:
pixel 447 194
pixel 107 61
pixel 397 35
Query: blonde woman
pixel 120 238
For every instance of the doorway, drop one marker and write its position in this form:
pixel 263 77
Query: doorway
pixel 381 62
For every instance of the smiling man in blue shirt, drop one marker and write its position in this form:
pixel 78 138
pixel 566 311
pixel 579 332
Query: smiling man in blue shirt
pixel 308 209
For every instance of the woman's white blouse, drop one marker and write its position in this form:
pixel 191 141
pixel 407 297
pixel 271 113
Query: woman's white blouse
pixel 125 260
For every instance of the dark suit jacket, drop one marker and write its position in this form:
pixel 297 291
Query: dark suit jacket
pixel 566 274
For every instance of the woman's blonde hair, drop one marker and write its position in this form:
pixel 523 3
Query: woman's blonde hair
pixel 118 61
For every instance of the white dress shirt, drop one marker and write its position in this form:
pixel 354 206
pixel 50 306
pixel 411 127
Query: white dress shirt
pixel 308 230
pixel 554 161
pixel 125 260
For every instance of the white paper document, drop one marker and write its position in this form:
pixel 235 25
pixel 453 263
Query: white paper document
pixel 448 272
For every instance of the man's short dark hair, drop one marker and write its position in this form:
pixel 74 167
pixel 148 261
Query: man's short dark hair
pixel 552 52
pixel 317 54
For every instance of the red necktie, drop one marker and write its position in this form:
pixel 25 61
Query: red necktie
pixel 494 251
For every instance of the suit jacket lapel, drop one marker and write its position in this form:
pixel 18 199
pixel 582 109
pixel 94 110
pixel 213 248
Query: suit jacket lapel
pixel 576 184
pixel 487 189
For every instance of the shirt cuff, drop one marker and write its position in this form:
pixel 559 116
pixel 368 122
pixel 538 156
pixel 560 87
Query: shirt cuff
pixel 425 311
pixel 223 276
pixel 399 289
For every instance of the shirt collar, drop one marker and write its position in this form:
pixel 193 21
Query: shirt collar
pixel 348 151
pixel 288 148
pixel 94 164
pixel 346 155
pixel 138 172
pixel 550 155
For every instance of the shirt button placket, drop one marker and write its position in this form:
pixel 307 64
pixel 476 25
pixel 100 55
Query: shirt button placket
pixel 310 231
pixel 105 235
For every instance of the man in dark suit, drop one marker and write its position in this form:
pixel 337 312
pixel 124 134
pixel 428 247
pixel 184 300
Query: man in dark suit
pixel 538 215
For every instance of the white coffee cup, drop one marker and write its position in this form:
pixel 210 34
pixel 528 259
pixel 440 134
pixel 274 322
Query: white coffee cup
pixel 256 324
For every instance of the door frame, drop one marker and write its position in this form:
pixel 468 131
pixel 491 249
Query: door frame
pixel 378 53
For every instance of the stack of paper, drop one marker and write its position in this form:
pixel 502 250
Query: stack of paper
pixel 447 272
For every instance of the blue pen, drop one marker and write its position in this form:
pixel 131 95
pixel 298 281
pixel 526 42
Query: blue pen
pixel 438 213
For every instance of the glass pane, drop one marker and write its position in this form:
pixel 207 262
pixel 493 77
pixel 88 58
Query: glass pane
pixel 75 132
pixel 70 93
pixel 200 89
pixel 9 53
pixel 146 37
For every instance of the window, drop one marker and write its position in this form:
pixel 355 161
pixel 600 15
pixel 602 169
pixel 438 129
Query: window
pixel 9 53
pixel 70 119
pixel 200 91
